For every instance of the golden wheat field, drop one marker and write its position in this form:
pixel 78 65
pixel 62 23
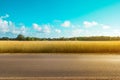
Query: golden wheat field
pixel 59 46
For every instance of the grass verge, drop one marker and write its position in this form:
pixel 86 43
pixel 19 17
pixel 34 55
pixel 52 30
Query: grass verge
pixel 60 47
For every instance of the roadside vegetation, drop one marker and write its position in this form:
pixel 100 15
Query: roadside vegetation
pixel 81 47
pixel 96 44
pixel 21 37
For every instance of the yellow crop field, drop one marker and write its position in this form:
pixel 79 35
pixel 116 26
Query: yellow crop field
pixel 60 47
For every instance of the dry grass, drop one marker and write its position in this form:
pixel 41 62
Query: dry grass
pixel 59 46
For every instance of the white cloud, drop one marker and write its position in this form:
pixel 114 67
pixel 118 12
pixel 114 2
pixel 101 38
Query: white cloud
pixel 66 24
pixel 116 32
pixel 37 27
pixel 42 28
pixel 4 26
pixel 23 29
pixel 90 24
pixel 77 32
pixel 6 16
pixel 8 26
pixel 105 26
pixel 57 31
pixel 93 23
pixel 46 29
pixel 16 30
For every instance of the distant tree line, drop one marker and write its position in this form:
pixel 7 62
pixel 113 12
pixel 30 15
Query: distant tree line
pixel 21 37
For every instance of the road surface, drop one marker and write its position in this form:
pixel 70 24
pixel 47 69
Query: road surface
pixel 59 65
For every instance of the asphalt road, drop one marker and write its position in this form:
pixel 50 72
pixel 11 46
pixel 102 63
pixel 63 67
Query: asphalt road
pixel 59 65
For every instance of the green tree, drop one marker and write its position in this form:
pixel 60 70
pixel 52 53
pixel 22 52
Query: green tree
pixel 28 38
pixel 5 38
pixel 20 37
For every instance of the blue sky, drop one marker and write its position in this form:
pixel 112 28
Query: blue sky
pixel 59 18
